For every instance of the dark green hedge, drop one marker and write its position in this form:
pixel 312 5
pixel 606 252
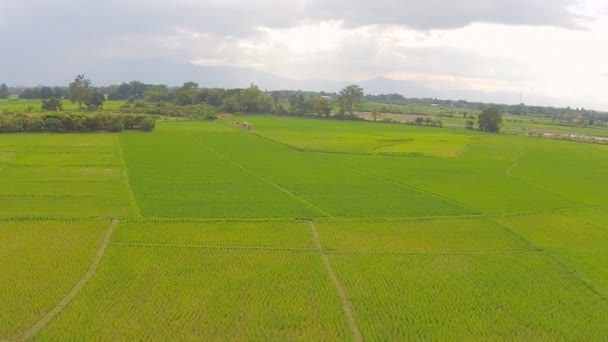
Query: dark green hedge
pixel 75 122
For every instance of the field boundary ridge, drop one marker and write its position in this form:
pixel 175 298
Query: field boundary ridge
pixel 346 305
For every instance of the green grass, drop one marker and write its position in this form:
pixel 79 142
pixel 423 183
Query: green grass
pixel 40 261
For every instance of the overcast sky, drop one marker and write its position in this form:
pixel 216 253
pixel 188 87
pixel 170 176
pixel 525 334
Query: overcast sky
pixel 549 49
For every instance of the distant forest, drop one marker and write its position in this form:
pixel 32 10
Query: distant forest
pixel 205 102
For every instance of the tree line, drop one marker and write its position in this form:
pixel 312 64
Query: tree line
pixel 75 122
pixel 557 113
pixel 194 102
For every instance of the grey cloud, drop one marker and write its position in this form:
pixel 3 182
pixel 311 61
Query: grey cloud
pixel 450 61
pixel 442 14
pixel 78 18
pixel 61 36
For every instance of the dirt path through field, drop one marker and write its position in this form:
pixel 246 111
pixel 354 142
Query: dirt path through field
pixel 36 328
pixel 346 305
pixel 515 162
pixel 125 174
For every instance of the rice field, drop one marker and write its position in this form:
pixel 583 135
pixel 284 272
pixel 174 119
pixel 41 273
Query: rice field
pixel 302 229
pixel 40 261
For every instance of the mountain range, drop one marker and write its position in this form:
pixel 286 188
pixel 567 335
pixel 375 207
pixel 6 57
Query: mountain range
pixel 158 71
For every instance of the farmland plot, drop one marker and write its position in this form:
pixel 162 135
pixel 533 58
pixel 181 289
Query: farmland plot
pixel 417 234
pixel 356 137
pixel 484 177
pixel 568 169
pixel 40 261
pixel 197 291
pixel 448 235
pixel 174 176
pixel 470 297
pixel 338 189
pixel 73 175
pixel 580 246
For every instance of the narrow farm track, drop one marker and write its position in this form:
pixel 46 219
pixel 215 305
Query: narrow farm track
pixel 264 179
pixel 515 162
pixel 377 148
pixel 217 247
pixel 306 250
pixel 346 305
pixel 127 179
pixel 46 319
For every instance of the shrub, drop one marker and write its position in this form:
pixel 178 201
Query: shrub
pixel 147 124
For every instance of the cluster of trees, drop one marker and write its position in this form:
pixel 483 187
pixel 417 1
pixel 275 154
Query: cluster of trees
pixel 191 101
pixel 489 120
pixel 247 100
pixel 52 105
pixel 427 121
pixel 201 111
pixel 3 91
pixel 566 115
pixel 131 91
pixel 348 99
pixel 82 92
pixel 42 93
pixel 75 122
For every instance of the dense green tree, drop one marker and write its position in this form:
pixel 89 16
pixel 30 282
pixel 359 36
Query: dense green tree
pixel 301 104
pixel 187 94
pixel 231 105
pixel 253 100
pixel 46 93
pixel 30 93
pixel 322 106
pixel 147 124
pixel 52 104
pixel 59 92
pixel 72 122
pixel 79 90
pixel 3 91
pixel 490 119
pixel 94 99
pixel 349 98
pixel 157 94
pixel 133 90
pixel 215 96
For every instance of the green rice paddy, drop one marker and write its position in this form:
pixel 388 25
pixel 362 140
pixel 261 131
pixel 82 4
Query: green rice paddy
pixel 303 229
